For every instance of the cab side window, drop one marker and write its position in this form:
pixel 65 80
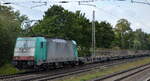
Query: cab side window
pixel 42 43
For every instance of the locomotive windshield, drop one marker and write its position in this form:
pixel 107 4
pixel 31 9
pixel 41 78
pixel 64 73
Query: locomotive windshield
pixel 25 44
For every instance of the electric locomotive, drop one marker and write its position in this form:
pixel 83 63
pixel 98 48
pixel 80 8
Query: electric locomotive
pixel 33 52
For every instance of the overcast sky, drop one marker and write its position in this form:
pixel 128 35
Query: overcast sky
pixel 108 10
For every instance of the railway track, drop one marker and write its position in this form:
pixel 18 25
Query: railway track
pixel 58 73
pixel 16 75
pixel 121 76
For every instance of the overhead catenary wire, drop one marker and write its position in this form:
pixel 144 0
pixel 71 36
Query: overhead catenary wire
pixel 20 5
pixel 43 3
pixel 141 2
pixel 132 17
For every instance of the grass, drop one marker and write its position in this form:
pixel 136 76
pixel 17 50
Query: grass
pixel 101 72
pixel 8 69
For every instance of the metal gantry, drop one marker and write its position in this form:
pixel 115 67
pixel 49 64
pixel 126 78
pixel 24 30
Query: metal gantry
pixel 93 45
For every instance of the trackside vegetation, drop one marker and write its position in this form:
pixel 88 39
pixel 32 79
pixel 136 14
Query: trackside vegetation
pixel 10 22
pixel 106 71
pixel 8 69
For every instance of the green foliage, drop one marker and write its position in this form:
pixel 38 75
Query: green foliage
pixel 8 69
pixel 141 40
pixel 61 23
pixel 126 38
pixel 9 30
pixel 104 34
pixel 122 33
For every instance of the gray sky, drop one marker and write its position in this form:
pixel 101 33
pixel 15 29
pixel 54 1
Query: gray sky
pixel 108 10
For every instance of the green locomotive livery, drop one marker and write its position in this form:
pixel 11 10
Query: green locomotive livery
pixel 44 52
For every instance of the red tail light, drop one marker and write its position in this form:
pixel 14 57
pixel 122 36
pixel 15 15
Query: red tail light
pixel 23 58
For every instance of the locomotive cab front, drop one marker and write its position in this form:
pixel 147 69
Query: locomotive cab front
pixel 29 51
pixel 24 52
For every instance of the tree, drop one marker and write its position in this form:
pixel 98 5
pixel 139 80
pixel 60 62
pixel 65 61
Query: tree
pixel 123 32
pixel 147 41
pixel 61 23
pixel 9 30
pixel 140 39
pixel 104 34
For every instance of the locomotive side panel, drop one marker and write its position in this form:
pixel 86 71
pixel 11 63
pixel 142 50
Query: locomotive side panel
pixel 59 50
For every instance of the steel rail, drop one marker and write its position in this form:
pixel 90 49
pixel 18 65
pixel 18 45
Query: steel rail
pixel 81 70
pixel 141 68
pixel 56 73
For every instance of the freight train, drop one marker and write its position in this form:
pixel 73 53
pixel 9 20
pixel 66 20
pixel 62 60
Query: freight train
pixel 41 52
pixel 44 52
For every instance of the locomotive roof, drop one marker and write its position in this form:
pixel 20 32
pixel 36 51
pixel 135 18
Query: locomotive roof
pixel 53 39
